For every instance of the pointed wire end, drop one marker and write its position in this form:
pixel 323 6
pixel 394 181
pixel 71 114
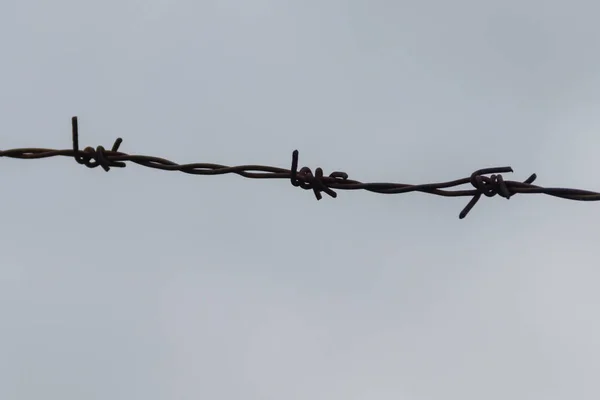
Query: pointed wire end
pixel 503 170
pixel 74 125
pixel 465 211
pixel 532 178
pixel 469 206
pixel 118 142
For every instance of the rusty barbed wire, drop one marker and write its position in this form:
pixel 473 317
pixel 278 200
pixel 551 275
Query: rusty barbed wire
pixel 304 178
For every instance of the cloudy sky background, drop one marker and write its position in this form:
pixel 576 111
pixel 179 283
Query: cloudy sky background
pixel 146 284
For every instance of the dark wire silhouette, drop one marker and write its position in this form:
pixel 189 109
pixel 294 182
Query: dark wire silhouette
pixel 304 178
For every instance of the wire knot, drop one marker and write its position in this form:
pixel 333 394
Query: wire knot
pixel 317 182
pixel 91 157
pixel 493 185
pixel 489 186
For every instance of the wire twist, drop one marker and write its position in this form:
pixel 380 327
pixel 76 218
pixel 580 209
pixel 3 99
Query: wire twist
pixel 304 178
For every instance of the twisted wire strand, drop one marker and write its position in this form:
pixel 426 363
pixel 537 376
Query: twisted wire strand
pixel 304 177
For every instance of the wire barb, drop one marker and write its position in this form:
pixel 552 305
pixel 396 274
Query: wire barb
pixel 304 178
pixel 92 158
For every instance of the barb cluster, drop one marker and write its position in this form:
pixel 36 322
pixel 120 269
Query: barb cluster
pixel 304 178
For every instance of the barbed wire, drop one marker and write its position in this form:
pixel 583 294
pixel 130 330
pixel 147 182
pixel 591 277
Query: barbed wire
pixel 304 178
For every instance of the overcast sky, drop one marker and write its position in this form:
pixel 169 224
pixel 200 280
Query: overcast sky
pixel 147 284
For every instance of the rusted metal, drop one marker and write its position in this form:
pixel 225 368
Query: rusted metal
pixel 304 178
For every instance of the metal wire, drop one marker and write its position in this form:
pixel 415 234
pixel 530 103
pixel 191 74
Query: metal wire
pixel 304 178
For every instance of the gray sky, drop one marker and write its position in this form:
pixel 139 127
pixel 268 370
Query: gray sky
pixel 146 284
